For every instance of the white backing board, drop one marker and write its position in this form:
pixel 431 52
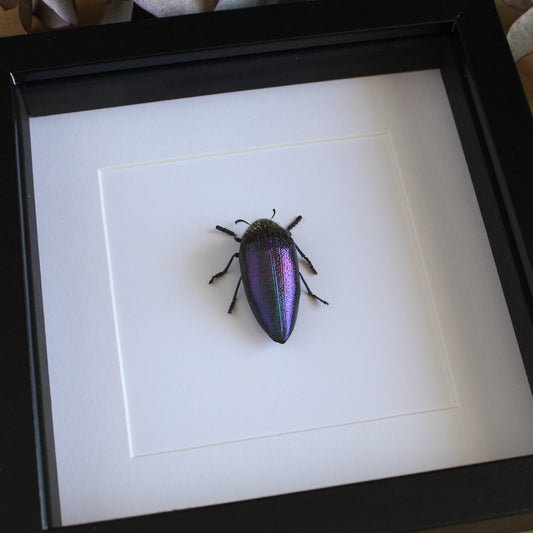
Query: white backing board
pixel 161 400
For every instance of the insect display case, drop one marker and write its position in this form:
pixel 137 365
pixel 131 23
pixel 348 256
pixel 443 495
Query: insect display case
pixel 133 401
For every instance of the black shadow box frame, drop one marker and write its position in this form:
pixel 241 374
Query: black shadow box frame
pixel 153 60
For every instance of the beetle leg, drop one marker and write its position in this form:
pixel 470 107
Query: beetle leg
pixel 228 232
pixel 307 260
pixel 221 273
pixel 232 304
pixel 310 293
pixel 294 222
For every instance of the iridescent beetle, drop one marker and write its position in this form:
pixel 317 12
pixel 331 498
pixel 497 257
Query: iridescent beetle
pixel 270 274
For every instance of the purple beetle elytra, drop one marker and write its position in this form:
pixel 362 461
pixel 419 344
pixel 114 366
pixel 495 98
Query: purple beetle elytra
pixel 268 258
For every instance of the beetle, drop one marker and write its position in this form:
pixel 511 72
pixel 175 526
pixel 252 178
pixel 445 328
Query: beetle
pixel 268 259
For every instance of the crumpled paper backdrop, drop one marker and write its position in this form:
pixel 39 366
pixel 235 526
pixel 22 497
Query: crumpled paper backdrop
pixel 41 14
pixel 517 15
pixel 166 8
pixel 520 35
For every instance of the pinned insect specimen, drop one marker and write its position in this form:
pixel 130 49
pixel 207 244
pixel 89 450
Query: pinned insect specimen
pixel 270 274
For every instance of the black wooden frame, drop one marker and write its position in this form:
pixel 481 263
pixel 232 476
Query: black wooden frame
pixel 152 60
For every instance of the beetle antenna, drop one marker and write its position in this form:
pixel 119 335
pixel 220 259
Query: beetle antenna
pixel 241 220
pixel 273 214
pixel 294 222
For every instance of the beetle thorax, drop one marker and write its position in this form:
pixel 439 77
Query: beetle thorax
pixel 263 226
